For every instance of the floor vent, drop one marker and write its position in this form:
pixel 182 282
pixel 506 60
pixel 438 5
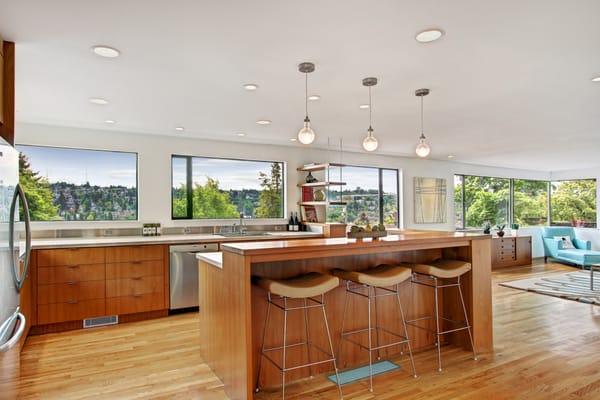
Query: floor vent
pixel 100 321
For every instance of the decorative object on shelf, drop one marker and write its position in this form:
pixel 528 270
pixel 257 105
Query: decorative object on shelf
pixel 319 195
pixel 307 194
pixel 310 178
pixel 151 229
pixel 487 228
pixel 500 230
pixel 514 229
pixel 430 200
pixel 310 214
pixel 423 148
pixel 358 232
pixel 370 143
pixel 306 135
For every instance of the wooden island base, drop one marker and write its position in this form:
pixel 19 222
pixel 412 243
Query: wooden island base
pixel 233 311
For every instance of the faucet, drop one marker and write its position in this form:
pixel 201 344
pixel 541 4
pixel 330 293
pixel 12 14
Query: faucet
pixel 241 228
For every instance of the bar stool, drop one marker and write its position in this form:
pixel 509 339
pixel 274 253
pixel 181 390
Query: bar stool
pixel 387 278
pixel 303 287
pixel 444 274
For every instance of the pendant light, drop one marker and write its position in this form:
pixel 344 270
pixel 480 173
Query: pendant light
pixel 423 148
pixel 370 142
pixel 306 135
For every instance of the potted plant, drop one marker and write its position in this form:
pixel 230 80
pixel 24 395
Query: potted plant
pixel 487 227
pixel 500 230
pixel 515 229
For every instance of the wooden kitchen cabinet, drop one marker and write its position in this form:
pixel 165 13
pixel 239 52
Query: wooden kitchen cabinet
pixel 511 251
pixel 79 283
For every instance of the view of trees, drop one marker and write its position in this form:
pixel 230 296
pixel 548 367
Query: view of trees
pixel 61 200
pixel 210 201
pixel 486 199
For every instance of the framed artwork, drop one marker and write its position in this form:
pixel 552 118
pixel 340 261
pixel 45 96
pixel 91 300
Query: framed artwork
pixel 430 200
pixel 310 214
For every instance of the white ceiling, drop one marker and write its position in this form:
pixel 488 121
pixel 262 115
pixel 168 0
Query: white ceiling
pixel 510 81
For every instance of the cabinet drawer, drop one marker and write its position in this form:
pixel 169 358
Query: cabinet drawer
pixel 134 253
pixel 69 292
pixel 135 304
pixel 71 273
pixel 74 256
pixel 76 310
pixel 134 286
pixel 134 269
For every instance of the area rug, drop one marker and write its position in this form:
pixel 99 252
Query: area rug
pixel 356 374
pixel 569 285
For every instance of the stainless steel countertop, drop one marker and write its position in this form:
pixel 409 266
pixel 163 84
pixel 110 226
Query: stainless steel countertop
pixel 55 243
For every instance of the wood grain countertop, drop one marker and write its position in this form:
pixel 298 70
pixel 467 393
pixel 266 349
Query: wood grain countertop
pixel 409 239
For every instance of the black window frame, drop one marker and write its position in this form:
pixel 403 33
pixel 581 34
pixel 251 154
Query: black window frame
pixel 137 181
pixel 189 189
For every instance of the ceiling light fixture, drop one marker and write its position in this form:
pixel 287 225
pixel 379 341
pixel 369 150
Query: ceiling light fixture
pixel 263 122
pixel 451 156
pixel 596 79
pixel 423 148
pixel 363 106
pixel 110 121
pixel 106 51
pixel 370 143
pixel 99 101
pixel 241 134
pixel 306 135
pixel 250 86
pixel 293 139
pixel 314 97
pixel 179 128
pixel 429 35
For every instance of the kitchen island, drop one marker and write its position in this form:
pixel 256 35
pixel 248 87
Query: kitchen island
pixel 233 310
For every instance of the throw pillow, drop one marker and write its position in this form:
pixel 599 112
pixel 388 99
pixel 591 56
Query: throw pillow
pixel 566 242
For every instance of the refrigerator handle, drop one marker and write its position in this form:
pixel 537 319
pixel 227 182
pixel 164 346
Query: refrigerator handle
pixel 19 280
pixel 10 343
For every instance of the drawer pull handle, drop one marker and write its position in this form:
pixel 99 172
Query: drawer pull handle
pixel 136 262
pixel 71 283
pixel 72 302
pixel 137 278
pixel 137 295
pixel 72 266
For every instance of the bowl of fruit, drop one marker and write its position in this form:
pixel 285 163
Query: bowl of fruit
pixel 368 231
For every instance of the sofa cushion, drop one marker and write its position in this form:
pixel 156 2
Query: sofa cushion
pixel 566 242
pixel 580 257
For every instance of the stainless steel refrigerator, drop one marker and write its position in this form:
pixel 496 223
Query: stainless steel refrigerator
pixel 15 248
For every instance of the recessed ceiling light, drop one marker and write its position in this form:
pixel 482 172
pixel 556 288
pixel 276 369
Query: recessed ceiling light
pixel 251 86
pixel 429 35
pixel 363 106
pixel 99 101
pixel 241 134
pixel 451 155
pixel 179 128
pixel 105 51
pixel 293 139
pixel 263 122
pixel 314 97
pixel 110 121
pixel 596 79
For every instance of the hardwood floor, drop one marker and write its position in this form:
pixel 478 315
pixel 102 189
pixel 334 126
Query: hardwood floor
pixel 545 348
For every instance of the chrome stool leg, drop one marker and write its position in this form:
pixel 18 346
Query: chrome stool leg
pixel 370 343
pixel 437 325
pixel 307 337
pixel 462 301
pixel 376 323
pixel 410 355
pixel 284 348
pixel 264 335
pixel 337 376
pixel 339 353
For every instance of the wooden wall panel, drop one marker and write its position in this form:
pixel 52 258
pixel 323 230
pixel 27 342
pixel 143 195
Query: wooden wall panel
pixel 7 126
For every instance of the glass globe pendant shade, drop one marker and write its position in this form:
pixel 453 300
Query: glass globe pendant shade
pixel 306 135
pixel 370 143
pixel 423 148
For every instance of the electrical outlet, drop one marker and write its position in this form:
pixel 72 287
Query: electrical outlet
pixel 108 232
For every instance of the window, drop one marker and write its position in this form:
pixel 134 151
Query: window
pixel 370 194
pixel 216 188
pixel 484 199
pixel 573 203
pixel 478 200
pixel 63 184
pixel 530 204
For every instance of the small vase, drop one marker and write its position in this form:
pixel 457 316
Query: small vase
pixel 500 233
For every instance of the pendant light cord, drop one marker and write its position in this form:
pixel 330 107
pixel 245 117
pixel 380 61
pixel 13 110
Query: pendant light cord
pixel 422 134
pixel 306 93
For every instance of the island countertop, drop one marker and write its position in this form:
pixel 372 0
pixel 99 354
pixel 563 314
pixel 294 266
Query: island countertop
pixel 409 238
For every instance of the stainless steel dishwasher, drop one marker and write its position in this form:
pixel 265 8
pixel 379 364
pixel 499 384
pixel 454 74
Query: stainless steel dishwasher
pixel 184 274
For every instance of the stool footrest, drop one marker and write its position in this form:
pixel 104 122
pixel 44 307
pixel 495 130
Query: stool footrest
pixel 413 322
pixel 383 346
pixel 287 346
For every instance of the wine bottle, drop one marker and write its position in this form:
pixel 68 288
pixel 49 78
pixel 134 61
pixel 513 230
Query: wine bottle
pixel 290 226
pixel 296 223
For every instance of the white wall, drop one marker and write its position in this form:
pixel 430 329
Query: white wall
pixel 154 155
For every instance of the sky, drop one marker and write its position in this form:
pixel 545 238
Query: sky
pixel 102 168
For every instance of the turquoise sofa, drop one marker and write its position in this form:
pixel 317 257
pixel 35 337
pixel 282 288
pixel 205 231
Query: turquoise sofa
pixel 582 255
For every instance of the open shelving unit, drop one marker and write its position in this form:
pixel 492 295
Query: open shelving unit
pixel 332 184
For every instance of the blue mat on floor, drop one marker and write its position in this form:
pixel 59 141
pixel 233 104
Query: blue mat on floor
pixel 356 374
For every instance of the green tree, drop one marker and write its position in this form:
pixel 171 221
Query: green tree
pixel 211 202
pixel 574 203
pixel 269 201
pixel 37 191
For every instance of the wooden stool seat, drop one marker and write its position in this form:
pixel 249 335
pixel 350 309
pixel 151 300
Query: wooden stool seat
pixel 443 269
pixel 303 286
pixel 384 275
